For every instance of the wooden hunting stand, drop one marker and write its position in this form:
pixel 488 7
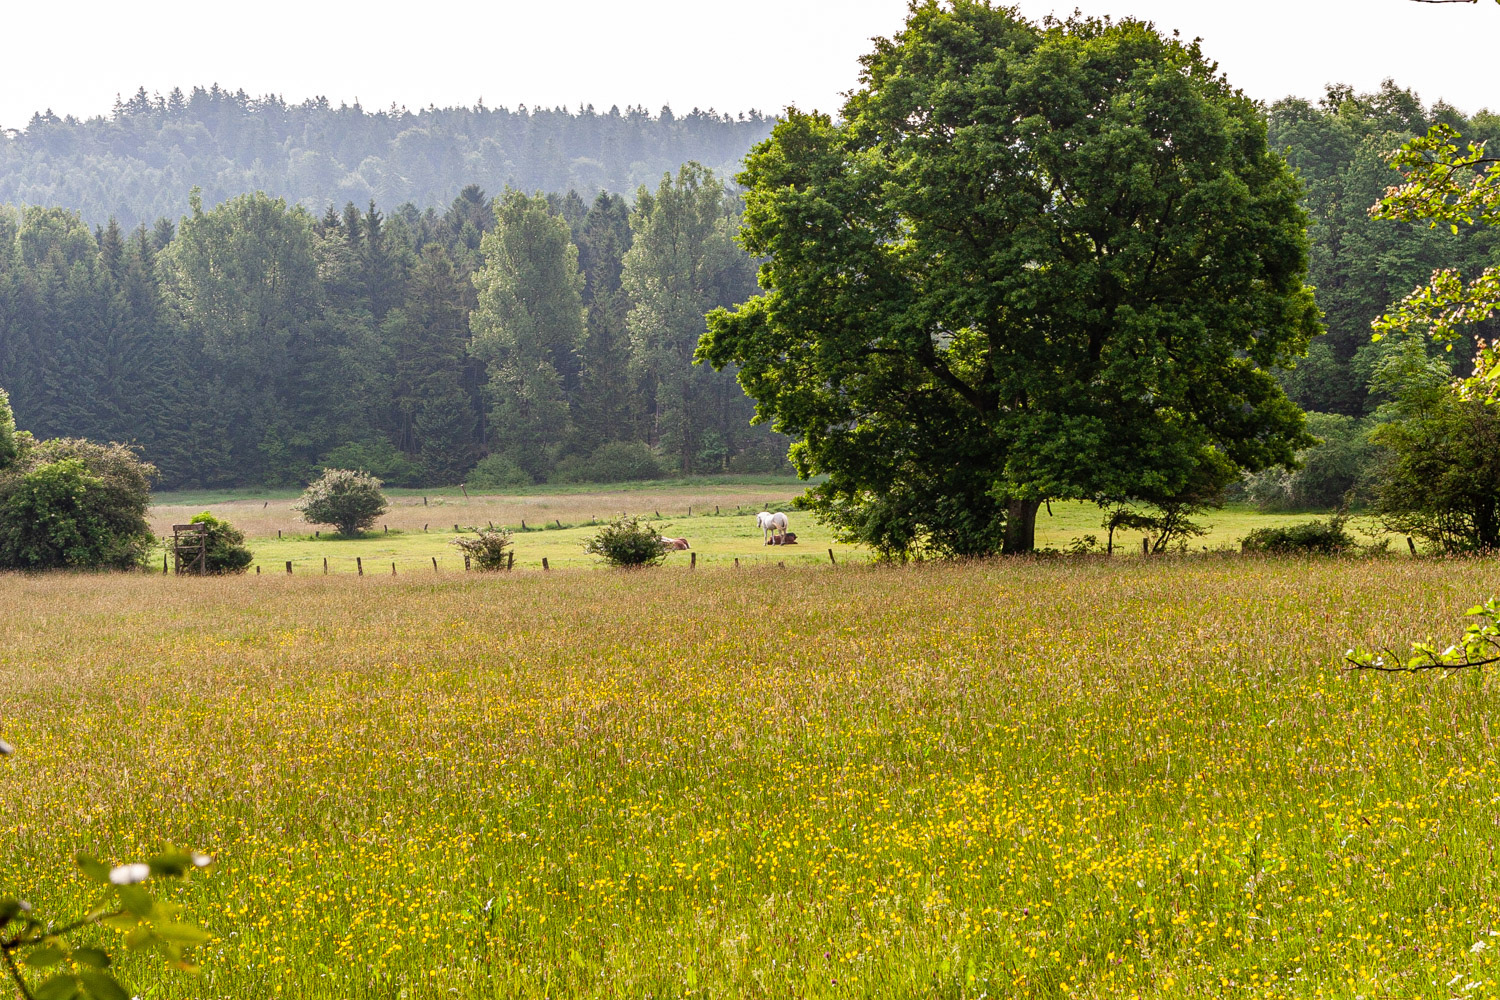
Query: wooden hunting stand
pixel 190 548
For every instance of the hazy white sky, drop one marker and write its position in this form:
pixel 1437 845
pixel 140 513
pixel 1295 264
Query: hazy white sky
pixel 75 57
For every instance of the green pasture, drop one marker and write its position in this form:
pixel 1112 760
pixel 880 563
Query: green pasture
pixel 421 527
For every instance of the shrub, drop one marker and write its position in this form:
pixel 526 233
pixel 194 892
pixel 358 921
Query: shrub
pixel 614 462
pixel 73 503
pixel 496 472
pixel 1328 537
pixel 348 500
pixel 227 552
pixel 628 541
pixel 487 549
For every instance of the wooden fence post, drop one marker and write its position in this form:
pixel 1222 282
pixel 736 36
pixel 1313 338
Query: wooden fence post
pixel 1145 546
pixel 736 562
pixel 325 565
pixel 466 564
pixel 278 534
pixel 544 563
pixel 510 560
pixel 1411 545
pixel 257 571
pixel 831 559
pixel 288 567
pixel 434 564
pixel 164 563
pixel 393 569
pixel 693 562
pixel 359 564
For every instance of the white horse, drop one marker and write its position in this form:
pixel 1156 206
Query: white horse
pixel 771 525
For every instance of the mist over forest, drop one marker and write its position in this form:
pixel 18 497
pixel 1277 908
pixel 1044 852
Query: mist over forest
pixel 349 289
pixel 138 163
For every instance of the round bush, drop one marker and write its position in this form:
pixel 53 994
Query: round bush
pixel 628 541
pixel 348 500
pixel 227 552
pixel 70 502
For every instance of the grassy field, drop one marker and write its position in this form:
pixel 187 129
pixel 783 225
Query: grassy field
pixel 716 516
pixel 1080 778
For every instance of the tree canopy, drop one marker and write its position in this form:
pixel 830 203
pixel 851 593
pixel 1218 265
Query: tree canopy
pixel 1029 262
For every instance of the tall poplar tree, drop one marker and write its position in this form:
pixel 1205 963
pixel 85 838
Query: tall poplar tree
pixel 527 327
pixel 684 261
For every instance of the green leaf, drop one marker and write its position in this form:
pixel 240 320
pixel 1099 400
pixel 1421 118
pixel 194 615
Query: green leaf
pixel 10 909
pixel 63 987
pixel 1454 227
pixel 182 933
pixel 102 986
pixel 94 958
pixel 137 900
pixel 173 864
pixel 96 870
pixel 44 957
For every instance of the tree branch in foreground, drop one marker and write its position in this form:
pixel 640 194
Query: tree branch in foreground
pixel 1479 646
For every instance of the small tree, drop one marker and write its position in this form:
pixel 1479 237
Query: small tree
pixel 348 500
pixel 226 551
pixel 488 549
pixel 628 540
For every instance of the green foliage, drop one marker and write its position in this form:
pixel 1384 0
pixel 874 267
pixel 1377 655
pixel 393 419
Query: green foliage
pixel 1026 262
pixel 9 449
pixel 68 503
pixel 528 326
pixel 1328 537
pixel 1439 473
pixel 226 549
pixel 628 541
pixel 1328 473
pixel 489 550
pixel 378 457
pixel 1455 187
pixel 497 472
pixel 42 956
pixel 683 262
pixel 348 500
pixel 615 462
pixel 1340 147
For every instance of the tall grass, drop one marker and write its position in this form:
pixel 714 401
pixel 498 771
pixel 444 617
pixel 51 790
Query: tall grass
pixel 1088 779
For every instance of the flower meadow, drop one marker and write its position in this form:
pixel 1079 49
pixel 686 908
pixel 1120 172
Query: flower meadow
pixel 1081 778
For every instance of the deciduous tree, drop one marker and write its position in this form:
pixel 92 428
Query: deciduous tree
pixel 1027 262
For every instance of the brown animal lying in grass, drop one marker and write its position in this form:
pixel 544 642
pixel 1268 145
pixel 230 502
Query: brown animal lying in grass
pixel 676 544
pixel 790 538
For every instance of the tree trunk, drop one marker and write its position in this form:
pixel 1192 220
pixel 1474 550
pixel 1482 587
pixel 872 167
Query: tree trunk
pixel 1020 527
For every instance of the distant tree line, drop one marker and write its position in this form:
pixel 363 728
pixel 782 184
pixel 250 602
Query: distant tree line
pixel 1363 394
pixel 136 164
pixel 253 343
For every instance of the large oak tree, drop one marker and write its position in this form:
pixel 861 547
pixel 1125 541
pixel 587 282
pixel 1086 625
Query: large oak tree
pixel 1028 262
